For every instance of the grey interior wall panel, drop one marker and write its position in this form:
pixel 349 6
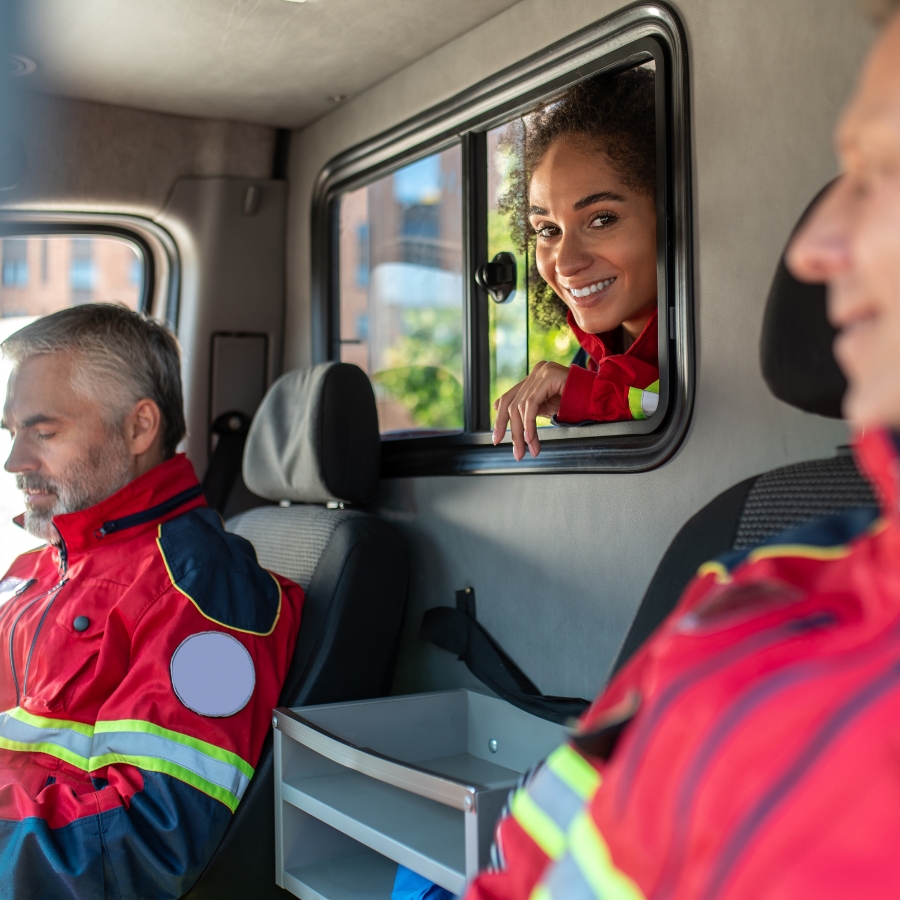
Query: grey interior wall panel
pixel 559 562
pixel 93 157
pixel 232 280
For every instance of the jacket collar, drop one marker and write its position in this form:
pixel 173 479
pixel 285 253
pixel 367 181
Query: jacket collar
pixel 167 490
pixel 877 454
pixel 599 346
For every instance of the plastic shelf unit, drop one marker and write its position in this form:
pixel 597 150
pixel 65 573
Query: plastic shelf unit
pixel 418 780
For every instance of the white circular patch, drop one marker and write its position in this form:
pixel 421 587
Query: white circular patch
pixel 213 674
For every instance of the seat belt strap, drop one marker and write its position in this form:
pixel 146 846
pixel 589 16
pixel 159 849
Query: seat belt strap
pixel 458 631
pixel 224 467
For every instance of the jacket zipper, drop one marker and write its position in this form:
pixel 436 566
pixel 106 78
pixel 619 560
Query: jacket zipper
pixel 51 593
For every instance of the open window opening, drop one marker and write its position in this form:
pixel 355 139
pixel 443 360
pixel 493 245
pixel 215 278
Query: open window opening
pixel 434 273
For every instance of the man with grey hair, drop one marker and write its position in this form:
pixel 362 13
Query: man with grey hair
pixel 145 646
pixel 749 748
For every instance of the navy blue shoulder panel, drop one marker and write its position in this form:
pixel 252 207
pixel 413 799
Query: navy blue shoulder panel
pixel 830 531
pixel 218 571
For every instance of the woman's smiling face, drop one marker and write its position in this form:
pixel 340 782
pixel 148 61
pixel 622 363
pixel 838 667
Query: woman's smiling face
pixel 596 238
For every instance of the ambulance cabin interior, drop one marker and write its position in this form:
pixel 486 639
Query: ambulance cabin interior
pixel 289 182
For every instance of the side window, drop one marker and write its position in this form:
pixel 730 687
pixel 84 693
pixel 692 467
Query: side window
pixel 41 274
pixel 543 216
pixel 401 292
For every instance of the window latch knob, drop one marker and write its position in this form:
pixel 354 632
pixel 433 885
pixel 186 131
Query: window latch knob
pixel 498 277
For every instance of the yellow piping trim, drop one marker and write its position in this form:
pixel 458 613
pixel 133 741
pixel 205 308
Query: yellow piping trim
pixel 210 618
pixel 723 576
pixel 798 551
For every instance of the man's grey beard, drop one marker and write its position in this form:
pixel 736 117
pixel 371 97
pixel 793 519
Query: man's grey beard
pixel 103 471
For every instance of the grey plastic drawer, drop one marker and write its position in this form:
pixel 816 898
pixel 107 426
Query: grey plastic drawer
pixel 418 780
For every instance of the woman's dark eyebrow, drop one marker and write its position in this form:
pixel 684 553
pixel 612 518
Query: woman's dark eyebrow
pixel 537 211
pixel 597 198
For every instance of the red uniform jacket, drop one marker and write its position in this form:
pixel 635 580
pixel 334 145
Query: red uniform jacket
pixel 141 662
pixel 751 749
pixel 616 386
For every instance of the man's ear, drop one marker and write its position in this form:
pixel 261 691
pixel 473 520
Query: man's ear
pixel 143 427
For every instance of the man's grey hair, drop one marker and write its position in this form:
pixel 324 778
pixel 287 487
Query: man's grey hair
pixel 121 357
pixel 879 11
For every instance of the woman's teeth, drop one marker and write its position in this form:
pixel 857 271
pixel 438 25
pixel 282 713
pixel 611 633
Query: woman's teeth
pixel 591 288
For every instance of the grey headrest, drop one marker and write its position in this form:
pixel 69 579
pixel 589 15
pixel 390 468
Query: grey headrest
pixel 314 438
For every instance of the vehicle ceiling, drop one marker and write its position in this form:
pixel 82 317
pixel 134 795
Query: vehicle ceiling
pixel 267 61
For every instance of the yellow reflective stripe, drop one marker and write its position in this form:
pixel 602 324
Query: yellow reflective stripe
pixel 217 772
pixel 49 749
pixel 139 725
pixel 592 856
pixel 634 403
pixel 42 722
pixel 540 892
pixel 164 767
pixel 23 732
pixel 571 767
pixel 537 824
pixel 636 398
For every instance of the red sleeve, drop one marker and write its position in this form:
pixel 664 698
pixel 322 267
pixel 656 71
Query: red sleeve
pixel 523 864
pixel 602 396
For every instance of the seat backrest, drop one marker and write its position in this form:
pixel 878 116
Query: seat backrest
pixel 799 368
pixel 314 444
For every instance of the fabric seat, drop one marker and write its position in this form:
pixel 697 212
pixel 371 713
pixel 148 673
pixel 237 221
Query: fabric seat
pixel 799 368
pixel 314 449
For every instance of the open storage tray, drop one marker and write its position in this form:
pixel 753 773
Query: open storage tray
pixel 418 780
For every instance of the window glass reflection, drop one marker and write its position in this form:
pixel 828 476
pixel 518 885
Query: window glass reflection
pixel 401 292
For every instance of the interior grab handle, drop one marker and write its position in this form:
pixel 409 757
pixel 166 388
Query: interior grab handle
pixel 498 277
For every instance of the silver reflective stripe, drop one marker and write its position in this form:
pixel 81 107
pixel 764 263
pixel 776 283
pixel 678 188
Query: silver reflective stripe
pixel 649 402
pixel 555 798
pixel 13 729
pixel 136 744
pixel 565 881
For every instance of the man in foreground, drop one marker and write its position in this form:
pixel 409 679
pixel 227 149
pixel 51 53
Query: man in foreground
pixel 143 647
pixel 750 749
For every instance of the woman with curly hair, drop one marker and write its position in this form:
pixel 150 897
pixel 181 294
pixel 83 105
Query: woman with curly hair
pixel 583 199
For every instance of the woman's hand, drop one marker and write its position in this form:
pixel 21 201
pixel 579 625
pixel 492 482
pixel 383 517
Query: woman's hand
pixel 537 395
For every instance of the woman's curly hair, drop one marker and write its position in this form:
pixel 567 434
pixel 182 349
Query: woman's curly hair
pixel 612 113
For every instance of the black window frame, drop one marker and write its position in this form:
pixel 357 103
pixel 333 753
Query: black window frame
pixel 148 237
pixel 632 35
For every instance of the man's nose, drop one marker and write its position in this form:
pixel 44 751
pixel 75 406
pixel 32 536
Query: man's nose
pixel 820 250
pixel 19 459
pixel 572 255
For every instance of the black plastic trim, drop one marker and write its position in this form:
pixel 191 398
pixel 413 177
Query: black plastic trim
pixel 157 247
pixel 639 32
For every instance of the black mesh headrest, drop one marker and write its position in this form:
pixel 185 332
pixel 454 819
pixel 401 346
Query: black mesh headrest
pixel 795 345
